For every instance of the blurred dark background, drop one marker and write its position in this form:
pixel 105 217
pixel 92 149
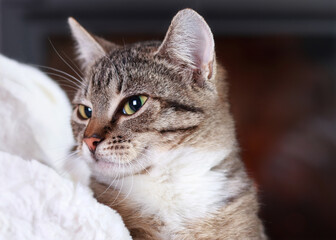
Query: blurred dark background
pixel 281 61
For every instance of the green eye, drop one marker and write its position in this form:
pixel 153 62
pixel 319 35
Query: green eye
pixel 84 112
pixel 133 104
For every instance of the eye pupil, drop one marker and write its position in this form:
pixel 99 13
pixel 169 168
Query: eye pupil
pixel 135 103
pixel 88 111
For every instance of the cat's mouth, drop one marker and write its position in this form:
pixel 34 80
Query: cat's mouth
pixel 107 162
pixel 117 166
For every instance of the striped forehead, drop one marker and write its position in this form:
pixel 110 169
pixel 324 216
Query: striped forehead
pixel 113 72
pixel 107 76
pixel 127 73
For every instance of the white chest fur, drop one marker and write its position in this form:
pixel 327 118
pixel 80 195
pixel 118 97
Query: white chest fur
pixel 180 186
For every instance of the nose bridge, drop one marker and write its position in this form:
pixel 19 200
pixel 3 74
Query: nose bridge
pixel 94 133
pixel 103 113
pixel 95 128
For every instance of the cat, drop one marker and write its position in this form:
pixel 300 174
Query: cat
pixel 152 120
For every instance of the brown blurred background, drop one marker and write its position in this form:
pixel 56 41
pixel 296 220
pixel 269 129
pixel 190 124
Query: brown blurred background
pixel 281 61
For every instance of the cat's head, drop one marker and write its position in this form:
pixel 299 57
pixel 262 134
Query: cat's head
pixel 148 97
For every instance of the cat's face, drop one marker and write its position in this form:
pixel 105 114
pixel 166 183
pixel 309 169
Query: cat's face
pixel 144 98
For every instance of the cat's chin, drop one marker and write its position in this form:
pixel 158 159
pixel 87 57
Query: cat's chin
pixel 102 168
pixel 108 171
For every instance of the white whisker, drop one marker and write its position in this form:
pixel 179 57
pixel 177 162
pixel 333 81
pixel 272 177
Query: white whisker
pixel 62 72
pixel 59 55
pixel 122 183
pixel 67 80
pixel 130 190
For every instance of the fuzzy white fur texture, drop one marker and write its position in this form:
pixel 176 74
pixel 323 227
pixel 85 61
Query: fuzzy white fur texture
pixel 46 198
pixel 35 114
pixel 38 203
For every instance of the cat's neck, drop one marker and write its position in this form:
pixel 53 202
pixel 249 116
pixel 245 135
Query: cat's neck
pixel 183 183
pixel 186 185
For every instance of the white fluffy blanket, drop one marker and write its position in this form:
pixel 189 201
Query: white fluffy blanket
pixel 37 203
pixel 45 198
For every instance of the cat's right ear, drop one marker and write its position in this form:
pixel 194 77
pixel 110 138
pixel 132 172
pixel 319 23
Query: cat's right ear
pixel 89 47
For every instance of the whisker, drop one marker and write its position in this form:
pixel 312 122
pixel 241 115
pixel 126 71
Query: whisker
pixel 73 63
pixel 72 88
pixel 119 190
pixel 63 159
pixel 130 190
pixel 64 60
pixel 60 71
pixel 105 190
pixel 114 179
pixel 138 162
pixel 81 86
pixel 69 168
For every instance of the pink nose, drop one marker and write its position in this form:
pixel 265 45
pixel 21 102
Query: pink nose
pixel 92 143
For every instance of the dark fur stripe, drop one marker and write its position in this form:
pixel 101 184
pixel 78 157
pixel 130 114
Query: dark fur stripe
pixel 86 91
pixel 120 79
pixel 174 130
pixel 177 106
pixel 168 130
pixel 182 107
pixel 109 77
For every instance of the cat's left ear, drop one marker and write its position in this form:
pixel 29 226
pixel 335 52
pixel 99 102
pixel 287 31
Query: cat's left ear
pixel 189 41
pixel 89 47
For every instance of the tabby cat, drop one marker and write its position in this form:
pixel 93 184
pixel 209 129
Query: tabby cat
pixel 152 120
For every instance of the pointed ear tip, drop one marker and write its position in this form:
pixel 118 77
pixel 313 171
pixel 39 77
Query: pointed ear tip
pixel 72 22
pixel 188 12
pixel 192 15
